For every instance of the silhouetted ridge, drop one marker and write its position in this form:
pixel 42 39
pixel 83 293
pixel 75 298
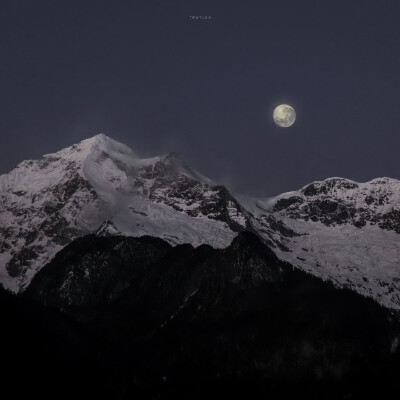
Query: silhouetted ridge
pixel 184 320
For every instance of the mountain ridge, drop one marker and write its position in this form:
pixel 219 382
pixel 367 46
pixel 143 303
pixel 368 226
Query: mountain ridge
pixel 192 319
pixel 47 203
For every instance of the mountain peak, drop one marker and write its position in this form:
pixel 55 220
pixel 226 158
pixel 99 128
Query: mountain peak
pixel 108 229
pixel 47 203
pixel 101 142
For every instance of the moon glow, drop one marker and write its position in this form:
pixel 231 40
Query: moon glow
pixel 284 116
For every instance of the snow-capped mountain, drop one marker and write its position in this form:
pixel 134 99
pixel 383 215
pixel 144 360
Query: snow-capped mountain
pixel 348 232
pixel 99 184
pixel 336 229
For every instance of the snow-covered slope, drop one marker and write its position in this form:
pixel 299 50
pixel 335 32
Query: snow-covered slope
pixel 337 229
pixel 47 203
pixel 348 232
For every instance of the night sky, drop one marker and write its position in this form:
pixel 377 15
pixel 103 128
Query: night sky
pixel 147 74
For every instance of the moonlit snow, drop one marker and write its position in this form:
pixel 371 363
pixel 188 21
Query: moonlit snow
pixel 47 203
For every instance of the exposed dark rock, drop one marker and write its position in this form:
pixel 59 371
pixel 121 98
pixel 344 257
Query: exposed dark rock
pixel 285 203
pixel 20 260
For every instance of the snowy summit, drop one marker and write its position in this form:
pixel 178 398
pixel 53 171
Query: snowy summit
pixel 338 229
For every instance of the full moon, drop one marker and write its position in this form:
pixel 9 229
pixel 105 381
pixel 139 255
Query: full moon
pixel 284 116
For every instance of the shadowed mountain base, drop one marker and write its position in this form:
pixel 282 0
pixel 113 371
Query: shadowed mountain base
pixel 124 318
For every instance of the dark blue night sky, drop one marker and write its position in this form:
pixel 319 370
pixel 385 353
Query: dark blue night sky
pixel 147 74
